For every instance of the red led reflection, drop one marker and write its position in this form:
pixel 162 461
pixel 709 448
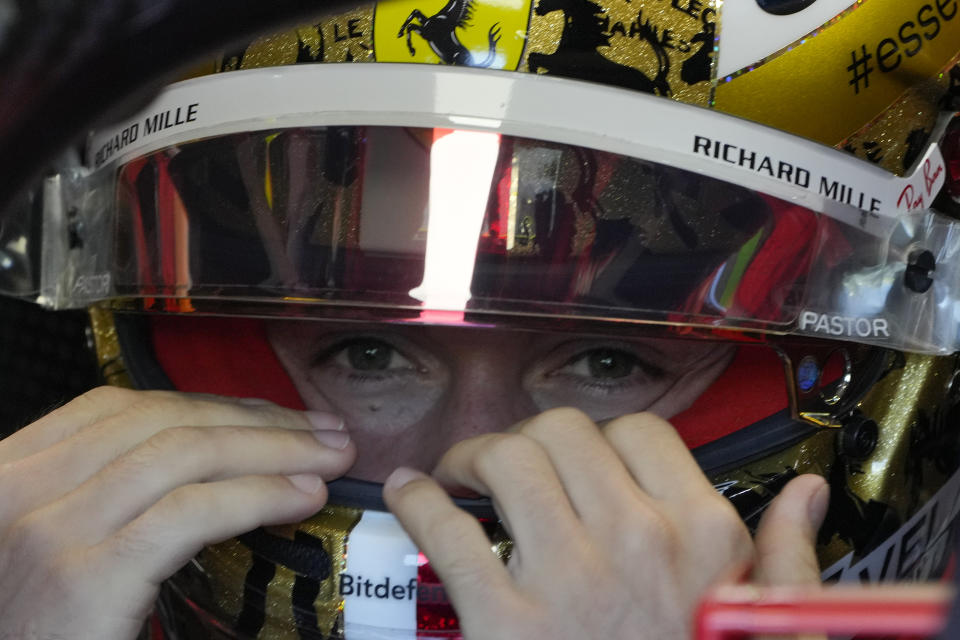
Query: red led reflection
pixel 435 616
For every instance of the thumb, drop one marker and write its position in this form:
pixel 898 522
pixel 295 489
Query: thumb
pixel 786 538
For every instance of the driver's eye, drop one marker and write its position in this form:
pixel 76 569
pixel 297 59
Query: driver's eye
pixel 369 355
pixel 609 363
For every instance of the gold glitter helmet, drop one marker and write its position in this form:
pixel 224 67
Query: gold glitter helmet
pixel 775 177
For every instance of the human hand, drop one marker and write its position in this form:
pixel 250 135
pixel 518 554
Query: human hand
pixel 106 497
pixel 617 532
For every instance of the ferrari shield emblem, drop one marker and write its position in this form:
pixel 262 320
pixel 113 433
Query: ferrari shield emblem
pixel 475 33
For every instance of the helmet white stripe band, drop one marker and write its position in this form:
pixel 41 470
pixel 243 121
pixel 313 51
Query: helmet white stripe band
pixel 594 116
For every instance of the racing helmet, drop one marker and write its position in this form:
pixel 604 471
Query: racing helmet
pixel 775 180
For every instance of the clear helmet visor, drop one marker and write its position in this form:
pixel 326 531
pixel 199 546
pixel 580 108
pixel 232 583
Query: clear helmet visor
pixel 429 224
pixel 238 192
pixel 424 220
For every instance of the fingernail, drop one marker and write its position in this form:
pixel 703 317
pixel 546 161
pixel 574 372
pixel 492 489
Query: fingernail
pixel 817 508
pixel 323 421
pixel 306 482
pixel 401 476
pixel 333 439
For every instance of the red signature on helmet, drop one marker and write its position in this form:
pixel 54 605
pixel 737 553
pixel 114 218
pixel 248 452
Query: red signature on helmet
pixel 910 198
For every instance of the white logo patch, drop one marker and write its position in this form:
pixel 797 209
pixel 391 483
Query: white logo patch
pixel 834 325
pixel 92 286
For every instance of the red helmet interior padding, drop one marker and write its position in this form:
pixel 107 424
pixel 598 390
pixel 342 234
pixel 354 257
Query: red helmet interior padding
pixel 232 357
pixel 225 356
pixel 752 388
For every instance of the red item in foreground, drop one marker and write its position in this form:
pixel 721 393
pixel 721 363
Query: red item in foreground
pixel 910 611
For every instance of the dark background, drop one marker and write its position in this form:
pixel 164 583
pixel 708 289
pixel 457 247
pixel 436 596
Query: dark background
pixel 45 360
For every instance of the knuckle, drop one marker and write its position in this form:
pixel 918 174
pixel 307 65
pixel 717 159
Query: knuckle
pixel 179 505
pixel 131 543
pixel 642 531
pixel 564 414
pixel 506 449
pixel 718 518
pixel 418 499
pixel 131 468
pixel 99 398
pixel 187 449
pixel 178 409
pixel 629 426
pixel 558 421
pixel 183 446
pixel 205 411
pixel 713 510
pixel 274 414
pixel 403 502
pixel 156 407
pixel 30 537
pixel 107 395
pixel 227 410
pixel 413 493
pixel 617 430
pixel 176 440
pixel 561 416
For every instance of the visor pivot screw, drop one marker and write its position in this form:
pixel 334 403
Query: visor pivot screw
pixel 858 437
pixel 808 374
pixel 917 275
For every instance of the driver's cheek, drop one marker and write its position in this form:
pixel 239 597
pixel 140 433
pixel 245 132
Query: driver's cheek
pixel 391 429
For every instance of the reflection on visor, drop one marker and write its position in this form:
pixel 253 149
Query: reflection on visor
pixel 383 215
pixel 439 223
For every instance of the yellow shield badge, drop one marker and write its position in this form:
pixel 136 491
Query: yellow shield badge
pixel 654 46
pixel 476 33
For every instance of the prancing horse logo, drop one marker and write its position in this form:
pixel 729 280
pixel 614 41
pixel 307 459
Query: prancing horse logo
pixel 440 32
